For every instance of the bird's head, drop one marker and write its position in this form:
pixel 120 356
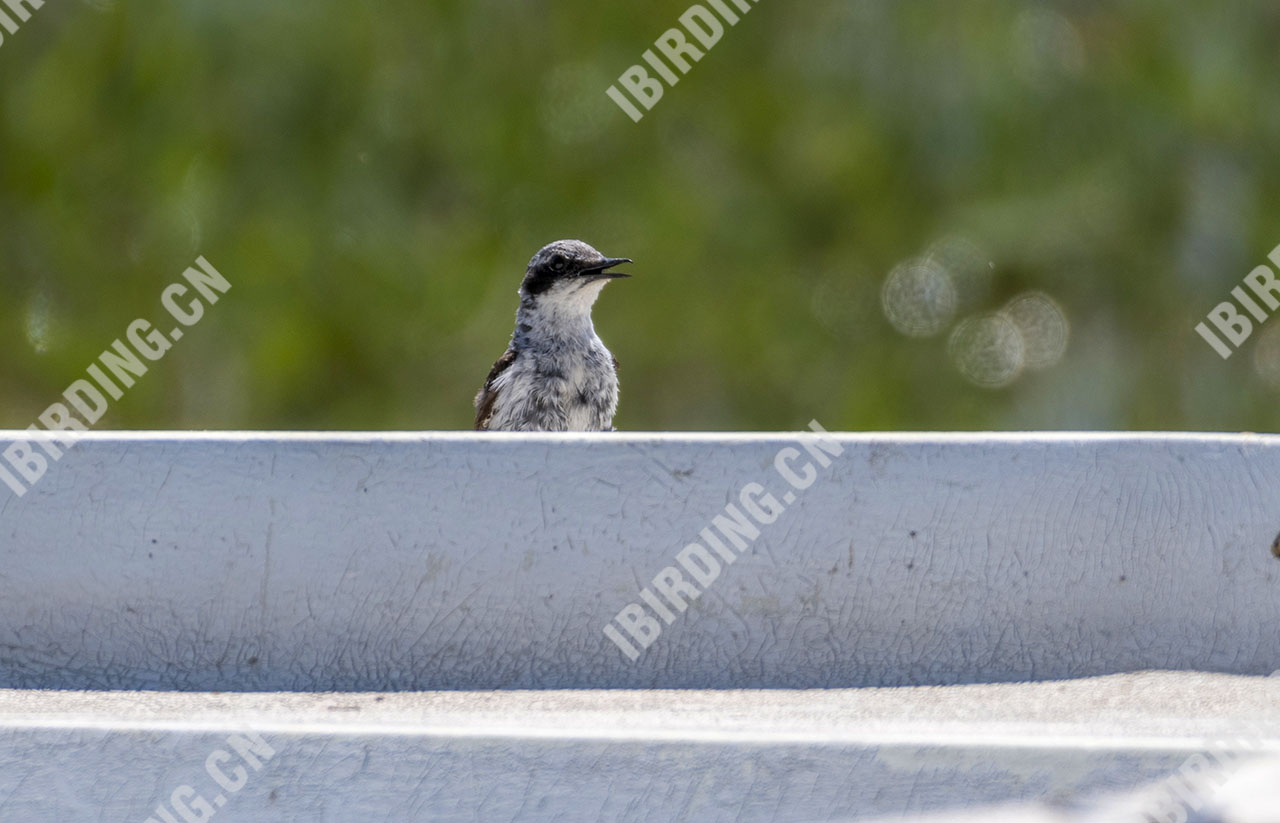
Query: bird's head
pixel 569 274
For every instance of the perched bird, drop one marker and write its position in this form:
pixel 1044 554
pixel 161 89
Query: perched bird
pixel 557 375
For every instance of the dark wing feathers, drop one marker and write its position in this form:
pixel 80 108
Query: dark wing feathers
pixel 487 396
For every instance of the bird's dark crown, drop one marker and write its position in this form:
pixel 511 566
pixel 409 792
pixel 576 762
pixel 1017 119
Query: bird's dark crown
pixel 566 260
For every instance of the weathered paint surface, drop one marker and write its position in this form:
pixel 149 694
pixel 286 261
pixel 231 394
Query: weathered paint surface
pixel 740 756
pixel 401 562
pixel 391 563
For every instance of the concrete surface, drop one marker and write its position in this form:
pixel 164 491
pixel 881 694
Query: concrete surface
pixel 1248 792
pixel 741 756
pixel 454 561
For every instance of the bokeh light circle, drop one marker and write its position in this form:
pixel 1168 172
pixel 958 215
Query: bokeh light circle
pixel 1043 326
pixel 918 298
pixel 968 266
pixel 988 350
pixel 38 319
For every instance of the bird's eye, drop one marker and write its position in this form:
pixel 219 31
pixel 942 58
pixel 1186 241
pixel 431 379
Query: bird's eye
pixel 558 262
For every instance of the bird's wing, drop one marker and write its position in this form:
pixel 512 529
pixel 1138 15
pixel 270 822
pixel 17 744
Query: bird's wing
pixel 614 357
pixel 489 395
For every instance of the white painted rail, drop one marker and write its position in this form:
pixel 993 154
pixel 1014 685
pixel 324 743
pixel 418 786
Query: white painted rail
pixel 589 756
pixel 459 561
pixel 276 568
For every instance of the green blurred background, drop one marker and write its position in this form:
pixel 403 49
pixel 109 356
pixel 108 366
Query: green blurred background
pixel 883 215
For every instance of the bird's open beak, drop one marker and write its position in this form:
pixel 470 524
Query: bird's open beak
pixel 601 269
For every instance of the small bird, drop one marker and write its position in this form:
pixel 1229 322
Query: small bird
pixel 557 375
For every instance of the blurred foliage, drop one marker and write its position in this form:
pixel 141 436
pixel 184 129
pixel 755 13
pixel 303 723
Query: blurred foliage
pixel 372 178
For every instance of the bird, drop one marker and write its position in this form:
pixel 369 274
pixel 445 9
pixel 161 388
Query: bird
pixel 557 375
